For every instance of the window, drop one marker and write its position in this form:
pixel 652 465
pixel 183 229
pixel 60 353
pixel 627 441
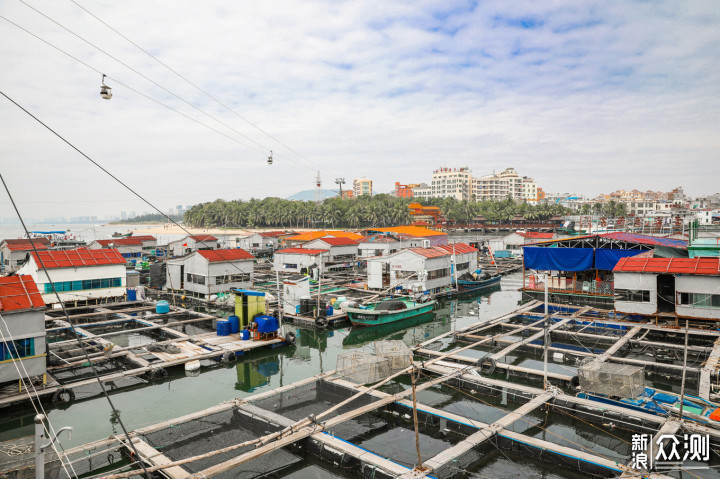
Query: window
pixel 700 300
pixel 232 278
pixel 20 348
pixel 65 286
pixel 463 265
pixel 438 273
pixel 633 295
pixel 195 278
pixel 290 265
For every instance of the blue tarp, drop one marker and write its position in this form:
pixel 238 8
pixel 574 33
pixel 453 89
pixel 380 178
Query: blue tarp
pixel 558 259
pixel 608 258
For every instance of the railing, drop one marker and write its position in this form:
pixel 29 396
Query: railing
pixel 569 285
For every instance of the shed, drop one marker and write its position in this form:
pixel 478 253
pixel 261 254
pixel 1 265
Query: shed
pixel 23 328
pixel 341 253
pixel 297 260
pixel 13 252
pixel 192 243
pixel 427 269
pixel 211 271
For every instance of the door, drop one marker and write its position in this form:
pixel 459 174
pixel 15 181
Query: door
pixel 666 293
pixel 182 276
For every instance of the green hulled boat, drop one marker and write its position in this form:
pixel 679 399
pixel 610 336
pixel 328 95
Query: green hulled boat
pixel 388 311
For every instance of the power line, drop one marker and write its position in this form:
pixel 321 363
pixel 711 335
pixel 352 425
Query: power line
pixel 72 326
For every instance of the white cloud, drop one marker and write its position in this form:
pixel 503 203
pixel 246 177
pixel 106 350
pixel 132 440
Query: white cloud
pixel 589 97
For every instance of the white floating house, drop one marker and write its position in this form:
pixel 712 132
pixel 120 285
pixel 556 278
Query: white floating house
pixel 380 245
pixel 192 243
pixel 426 269
pixel 81 275
pixel 515 241
pixel 686 287
pixel 13 252
pixel 465 257
pixel 211 271
pixel 23 328
pixel 268 240
pixel 341 253
pixel 297 260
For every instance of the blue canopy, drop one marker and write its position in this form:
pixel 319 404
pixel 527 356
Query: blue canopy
pixel 608 258
pixel 558 259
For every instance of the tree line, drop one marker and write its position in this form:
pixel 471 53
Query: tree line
pixel 363 212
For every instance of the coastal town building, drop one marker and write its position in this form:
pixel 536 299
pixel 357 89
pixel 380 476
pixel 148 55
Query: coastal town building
pixel 342 253
pixel 207 272
pixel 405 191
pixel 381 244
pixel 131 247
pixel 23 329
pixel 416 269
pixel 80 275
pixel 432 215
pixel 362 186
pixel 297 260
pixel 464 258
pixel 423 190
pixel 301 239
pixel 452 183
pixel 507 184
pixel 192 243
pixel 13 252
pixel 265 241
pixel 417 235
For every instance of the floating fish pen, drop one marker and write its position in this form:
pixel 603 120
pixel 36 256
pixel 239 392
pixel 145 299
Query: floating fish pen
pixel 128 344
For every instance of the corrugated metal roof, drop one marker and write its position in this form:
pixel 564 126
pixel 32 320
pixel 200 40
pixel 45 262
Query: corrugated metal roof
pixel 311 235
pixel 130 241
pixel 79 257
pixel 220 255
pixel 203 238
pixel 37 241
pixel 25 246
pixel 272 234
pixel 645 239
pixel 534 235
pixel 698 266
pixel 338 241
pixel 145 238
pixel 430 252
pixel 312 252
pixel 19 292
pixel 460 248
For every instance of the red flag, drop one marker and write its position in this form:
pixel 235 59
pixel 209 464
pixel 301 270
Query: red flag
pixel 184 244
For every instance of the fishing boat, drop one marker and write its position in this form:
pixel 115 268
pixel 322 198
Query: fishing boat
pixel 388 311
pixel 663 403
pixel 122 235
pixel 466 283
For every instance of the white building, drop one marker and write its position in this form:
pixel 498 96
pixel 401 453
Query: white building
pixel 269 240
pixel 428 269
pixel 78 275
pixel 297 260
pixel 211 271
pixel 423 190
pixel 380 245
pixel 687 287
pixel 452 182
pixel 133 247
pixel 465 257
pixel 507 184
pixel 515 241
pixel 192 243
pixel 14 251
pixel 342 253
pixel 23 329
pixel 362 186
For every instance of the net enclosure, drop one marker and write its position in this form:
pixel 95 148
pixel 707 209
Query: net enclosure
pixel 397 353
pixel 611 379
pixel 362 368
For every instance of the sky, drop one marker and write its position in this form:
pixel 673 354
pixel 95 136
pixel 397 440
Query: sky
pixel 585 97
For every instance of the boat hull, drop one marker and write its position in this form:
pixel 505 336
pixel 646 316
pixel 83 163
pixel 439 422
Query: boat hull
pixel 467 286
pixel 369 317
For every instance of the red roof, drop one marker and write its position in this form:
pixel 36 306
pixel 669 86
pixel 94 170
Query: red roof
pixel 145 238
pixel 312 252
pixel 338 241
pixel 25 246
pixel 272 234
pixel 218 255
pixel 130 241
pixel 534 235
pixel 701 266
pixel 203 238
pixel 79 257
pixel 430 252
pixel 37 241
pixel 459 248
pixel 19 292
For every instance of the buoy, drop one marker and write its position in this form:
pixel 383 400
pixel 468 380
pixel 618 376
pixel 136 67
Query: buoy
pixel 192 365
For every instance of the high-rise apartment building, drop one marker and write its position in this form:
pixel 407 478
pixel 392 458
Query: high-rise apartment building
pixel 362 186
pixel 455 182
pixel 507 184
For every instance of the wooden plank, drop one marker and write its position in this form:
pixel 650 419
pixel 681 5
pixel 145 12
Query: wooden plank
pixel 529 339
pixel 707 371
pixel 619 344
pixel 155 458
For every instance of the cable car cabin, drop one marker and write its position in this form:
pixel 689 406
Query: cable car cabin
pixel 106 92
pixel 686 287
pixel 270 158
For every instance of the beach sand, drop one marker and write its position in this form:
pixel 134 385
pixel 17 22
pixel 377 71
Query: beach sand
pixel 165 229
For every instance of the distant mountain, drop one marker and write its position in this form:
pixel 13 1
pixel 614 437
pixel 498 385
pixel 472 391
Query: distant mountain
pixel 309 195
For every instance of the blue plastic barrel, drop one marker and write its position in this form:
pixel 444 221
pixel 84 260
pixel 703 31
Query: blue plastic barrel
pixel 329 311
pixel 223 328
pixel 297 309
pixel 267 324
pixel 234 324
pixel 244 334
pixel 131 294
pixel 162 307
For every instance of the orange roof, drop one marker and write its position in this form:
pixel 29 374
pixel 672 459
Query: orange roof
pixel 416 231
pixel 311 235
pixel 25 246
pixel 535 235
pixel 338 241
pixel 19 292
pixel 145 238
pixel 78 257
pixel 219 255
pixel 130 241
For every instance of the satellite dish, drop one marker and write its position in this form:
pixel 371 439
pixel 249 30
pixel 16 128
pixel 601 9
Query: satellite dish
pixel 105 91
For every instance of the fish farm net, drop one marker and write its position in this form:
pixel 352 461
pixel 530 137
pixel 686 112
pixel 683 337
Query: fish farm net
pixel 611 379
pixel 362 368
pixel 399 356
